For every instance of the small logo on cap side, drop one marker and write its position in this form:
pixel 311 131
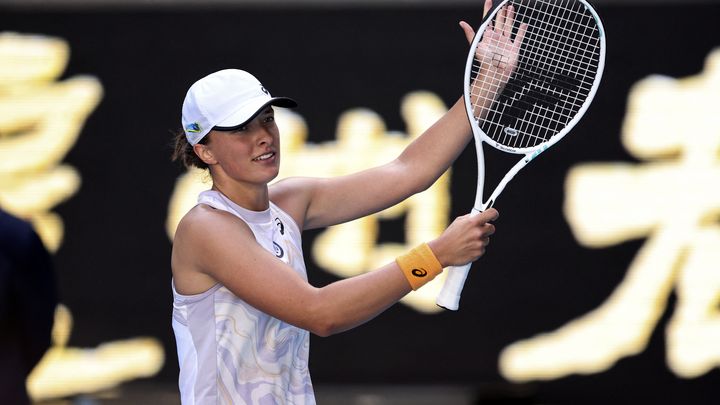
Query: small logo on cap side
pixel 264 90
pixel 194 127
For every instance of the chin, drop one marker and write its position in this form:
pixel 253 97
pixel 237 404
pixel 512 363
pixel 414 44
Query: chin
pixel 272 176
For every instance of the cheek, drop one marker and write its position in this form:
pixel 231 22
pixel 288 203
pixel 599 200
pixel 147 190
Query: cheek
pixel 230 156
pixel 236 150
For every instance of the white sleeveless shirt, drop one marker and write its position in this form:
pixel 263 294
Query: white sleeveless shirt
pixel 232 353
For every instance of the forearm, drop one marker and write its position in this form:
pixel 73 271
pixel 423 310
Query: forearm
pixel 345 304
pixel 340 199
pixel 496 54
pixel 431 154
pixel 351 302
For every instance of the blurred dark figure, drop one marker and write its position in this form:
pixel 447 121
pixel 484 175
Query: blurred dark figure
pixel 28 297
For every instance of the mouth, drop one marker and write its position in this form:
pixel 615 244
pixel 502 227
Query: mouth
pixel 264 157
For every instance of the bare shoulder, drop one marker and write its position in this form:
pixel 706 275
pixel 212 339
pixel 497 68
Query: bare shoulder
pixel 200 216
pixel 199 230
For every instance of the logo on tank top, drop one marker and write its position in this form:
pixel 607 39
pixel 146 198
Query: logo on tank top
pixel 280 226
pixel 279 252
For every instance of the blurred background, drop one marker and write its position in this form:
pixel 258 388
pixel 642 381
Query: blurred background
pixel 602 285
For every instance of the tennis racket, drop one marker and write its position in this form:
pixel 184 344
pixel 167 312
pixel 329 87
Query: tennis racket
pixel 533 69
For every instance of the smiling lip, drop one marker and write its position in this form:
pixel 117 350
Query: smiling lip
pixel 264 157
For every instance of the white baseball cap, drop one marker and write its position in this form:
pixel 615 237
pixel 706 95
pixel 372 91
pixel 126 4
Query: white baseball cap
pixel 225 100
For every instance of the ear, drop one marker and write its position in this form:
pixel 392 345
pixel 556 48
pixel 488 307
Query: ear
pixel 205 154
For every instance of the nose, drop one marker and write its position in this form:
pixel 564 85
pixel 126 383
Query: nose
pixel 265 137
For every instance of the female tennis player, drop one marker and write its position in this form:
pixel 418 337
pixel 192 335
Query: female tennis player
pixel 243 307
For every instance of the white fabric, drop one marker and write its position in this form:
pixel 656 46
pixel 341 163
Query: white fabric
pixel 232 353
pixel 226 98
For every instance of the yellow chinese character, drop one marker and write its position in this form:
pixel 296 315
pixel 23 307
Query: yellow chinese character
pixel 672 199
pixel 40 121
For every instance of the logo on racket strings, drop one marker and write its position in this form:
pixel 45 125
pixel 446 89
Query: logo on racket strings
pixel 511 131
pixel 419 272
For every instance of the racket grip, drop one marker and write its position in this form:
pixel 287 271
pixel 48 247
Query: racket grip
pixel 449 297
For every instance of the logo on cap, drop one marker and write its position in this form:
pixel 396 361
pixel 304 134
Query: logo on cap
pixel 264 90
pixel 194 127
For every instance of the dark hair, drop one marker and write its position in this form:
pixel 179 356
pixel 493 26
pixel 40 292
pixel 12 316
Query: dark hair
pixel 184 152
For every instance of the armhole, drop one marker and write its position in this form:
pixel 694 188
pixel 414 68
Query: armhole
pixel 296 225
pixel 194 297
pixel 288 218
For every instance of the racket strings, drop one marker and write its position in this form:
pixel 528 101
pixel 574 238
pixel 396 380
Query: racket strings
pixel 558 62
pixel 569 55
pixel 568 43
pixel 554 35
pixel 565 33
pixel 558 47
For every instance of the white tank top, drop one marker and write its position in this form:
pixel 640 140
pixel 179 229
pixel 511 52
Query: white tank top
pixel 232 353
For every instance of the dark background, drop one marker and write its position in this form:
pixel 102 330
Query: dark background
pixel 113 266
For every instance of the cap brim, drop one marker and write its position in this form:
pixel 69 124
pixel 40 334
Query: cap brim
pixel 230 123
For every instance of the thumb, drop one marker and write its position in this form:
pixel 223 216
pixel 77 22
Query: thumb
pixel 487 7
pixel 469 32
pixel 489 215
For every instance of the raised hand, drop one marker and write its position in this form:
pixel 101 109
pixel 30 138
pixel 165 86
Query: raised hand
pixel 497 52
pixel 496 55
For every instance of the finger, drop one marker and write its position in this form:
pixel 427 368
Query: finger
pixel 500 20
pixel 469 32
pixel 509 21
pixel 521 34
pixel 488 6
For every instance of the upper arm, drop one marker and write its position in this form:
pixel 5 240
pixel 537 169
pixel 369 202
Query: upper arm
pixel 230 255
pixel 316 203
pixel 321 202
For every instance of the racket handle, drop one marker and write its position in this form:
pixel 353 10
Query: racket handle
pixel 449 297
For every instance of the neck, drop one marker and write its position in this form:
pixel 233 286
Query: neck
pixel 251 198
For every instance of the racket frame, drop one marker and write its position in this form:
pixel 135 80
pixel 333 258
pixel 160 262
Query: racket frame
pixel 449 297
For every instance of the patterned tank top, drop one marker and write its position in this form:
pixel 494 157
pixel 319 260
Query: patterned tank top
pixel 232 353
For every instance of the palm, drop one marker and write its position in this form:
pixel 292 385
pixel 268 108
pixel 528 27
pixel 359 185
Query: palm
pixel 497 56
pixel 497 52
